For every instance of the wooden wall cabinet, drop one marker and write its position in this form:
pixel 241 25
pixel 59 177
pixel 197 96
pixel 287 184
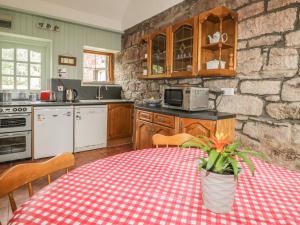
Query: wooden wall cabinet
pixel 224 21
pixel 149 123
pixel 183 49
pixel 119 124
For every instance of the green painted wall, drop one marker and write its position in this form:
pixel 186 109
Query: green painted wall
pixel 68 41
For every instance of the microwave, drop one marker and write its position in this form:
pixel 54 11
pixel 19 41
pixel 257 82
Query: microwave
pixel 185 98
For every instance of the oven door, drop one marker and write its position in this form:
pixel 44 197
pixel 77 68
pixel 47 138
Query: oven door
pixel 15 122
pixel 15 146
pixel 173 97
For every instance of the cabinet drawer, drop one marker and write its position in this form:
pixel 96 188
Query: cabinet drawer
pixel 144 115
pixel 164 120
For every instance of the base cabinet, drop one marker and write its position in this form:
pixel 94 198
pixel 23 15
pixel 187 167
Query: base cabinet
pixel 119 124
pixel 148 124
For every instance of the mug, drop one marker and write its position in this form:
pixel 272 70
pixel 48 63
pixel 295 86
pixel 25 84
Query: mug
pixel 224 37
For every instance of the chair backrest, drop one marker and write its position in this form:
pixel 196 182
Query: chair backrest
pixel 22 174
pixel 175 140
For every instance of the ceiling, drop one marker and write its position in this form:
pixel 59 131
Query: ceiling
pixel 115 15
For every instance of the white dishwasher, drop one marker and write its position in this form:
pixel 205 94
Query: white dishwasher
pixel 53 130
pixel 90 127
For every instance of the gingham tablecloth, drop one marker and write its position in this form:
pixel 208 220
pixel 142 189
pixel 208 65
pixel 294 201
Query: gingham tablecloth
pixel 159 186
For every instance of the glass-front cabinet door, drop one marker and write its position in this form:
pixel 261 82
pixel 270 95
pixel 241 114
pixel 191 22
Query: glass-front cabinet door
pixel 158 54
pixel 184 48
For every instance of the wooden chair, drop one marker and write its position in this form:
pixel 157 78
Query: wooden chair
pixel 175 140
pixel 22 174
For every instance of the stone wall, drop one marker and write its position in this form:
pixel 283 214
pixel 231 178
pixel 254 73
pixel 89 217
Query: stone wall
pixel 267 100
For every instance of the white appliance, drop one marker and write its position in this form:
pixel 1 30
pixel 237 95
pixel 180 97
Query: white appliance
pixel 90 127
pixel 53 130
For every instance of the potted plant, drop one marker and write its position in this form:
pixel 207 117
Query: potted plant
pixel 220 170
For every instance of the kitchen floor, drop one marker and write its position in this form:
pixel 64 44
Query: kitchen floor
pixel 81 158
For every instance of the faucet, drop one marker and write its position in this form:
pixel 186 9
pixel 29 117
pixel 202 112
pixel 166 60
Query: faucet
pixel 99 92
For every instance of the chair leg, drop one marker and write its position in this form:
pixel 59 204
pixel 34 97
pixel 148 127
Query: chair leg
pixel 30 191
pixel 12 202
pixel 49 178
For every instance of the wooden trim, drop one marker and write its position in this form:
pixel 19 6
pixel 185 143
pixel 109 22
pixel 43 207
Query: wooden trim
pixel 111 76
pixel 227 127
pixel 97 52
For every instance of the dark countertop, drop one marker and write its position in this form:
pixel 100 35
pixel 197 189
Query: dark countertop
pixel 206 115
pixel 82 102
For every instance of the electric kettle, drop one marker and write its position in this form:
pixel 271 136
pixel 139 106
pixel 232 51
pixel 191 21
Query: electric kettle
pixel 71 95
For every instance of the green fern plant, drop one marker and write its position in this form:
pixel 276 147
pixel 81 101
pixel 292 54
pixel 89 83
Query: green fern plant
pixel 223 155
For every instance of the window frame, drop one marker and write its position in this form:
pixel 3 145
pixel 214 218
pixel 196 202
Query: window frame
pixel 28 47
pixel 110 77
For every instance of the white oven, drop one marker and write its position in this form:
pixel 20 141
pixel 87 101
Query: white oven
pixel 15 133
pixel 16 145
pixel 15 122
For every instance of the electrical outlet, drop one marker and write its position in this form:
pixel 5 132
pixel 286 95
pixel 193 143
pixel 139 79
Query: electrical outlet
pixel 60 88
pixel 228 91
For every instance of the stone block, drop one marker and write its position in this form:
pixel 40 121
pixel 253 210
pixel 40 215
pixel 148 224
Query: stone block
pixel 296 134
pixel 274 22
pixel 232 4
pixel 291 90
pixel 238 125
pixel 273 98
pixel 242 44
pixel 268 133
pixel 251 10
pixel 282 62
pixel 264 40
pixel 282 111
pixel 293 39
pixel 248 142
pixel 224 83
pixel 241 104
pixel 262 87
pixel 274 4
pixel 249 61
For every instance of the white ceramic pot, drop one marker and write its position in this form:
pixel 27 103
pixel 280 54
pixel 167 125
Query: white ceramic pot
pixel 214 64
pixel 218 191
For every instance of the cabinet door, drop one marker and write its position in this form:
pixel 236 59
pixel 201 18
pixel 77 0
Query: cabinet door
pixel 163 130
pixel 183 51
pixel 197 127
pixel 120 121
pixel 158 47
pixel 144 133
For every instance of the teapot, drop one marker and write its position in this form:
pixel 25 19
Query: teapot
pixel 216 37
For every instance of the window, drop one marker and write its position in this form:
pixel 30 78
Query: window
pixel 97 67
pixel 21 67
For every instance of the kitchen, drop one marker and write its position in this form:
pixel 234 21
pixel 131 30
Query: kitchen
pixel 83 80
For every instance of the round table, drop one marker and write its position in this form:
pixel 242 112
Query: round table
pixel 159 186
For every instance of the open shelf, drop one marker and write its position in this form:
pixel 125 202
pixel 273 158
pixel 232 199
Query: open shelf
pixel 216 46
pixel 218 73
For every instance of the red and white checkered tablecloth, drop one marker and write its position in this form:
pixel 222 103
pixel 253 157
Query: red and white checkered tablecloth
pixel 159 186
